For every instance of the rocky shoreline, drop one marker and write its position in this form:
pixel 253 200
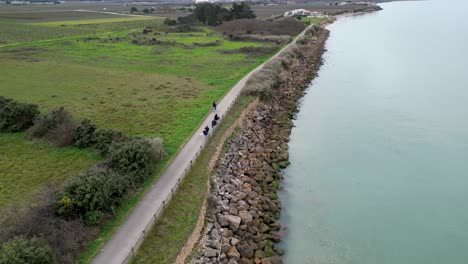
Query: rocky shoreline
pixel 244 209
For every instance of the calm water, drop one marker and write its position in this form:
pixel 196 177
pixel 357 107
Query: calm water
pixel 379 154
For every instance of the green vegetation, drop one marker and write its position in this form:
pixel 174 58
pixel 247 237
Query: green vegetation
pixel 114 83
pixel 313 20
pixel 11 33
pixel 214 13
pixel 26 166
pixel 94 21
pixel 167 237
pixel 22 250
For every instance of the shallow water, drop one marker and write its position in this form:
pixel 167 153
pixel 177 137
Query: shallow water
pixel 379 153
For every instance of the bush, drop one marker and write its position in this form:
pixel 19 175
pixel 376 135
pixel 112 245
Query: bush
pixel 93 218
pixel 57 127
pixel 91 194
pixel 157 150
pixel 65 237
pixel 30 251
pixel 131 158
pixel 15 116
pixel 84 134
pixel 170 22
pixel 103 138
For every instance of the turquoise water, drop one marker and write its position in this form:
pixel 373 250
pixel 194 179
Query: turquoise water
pixel 379 153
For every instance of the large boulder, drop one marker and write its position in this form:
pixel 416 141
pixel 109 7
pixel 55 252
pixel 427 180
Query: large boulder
pixel 246 217
pixel 245 250
pixel 234 221
pixel 209 252
pixel 233 253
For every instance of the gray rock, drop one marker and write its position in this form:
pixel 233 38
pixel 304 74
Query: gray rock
pixel 234 221
pixel 234 241
pixel 245 250
pixel 214 234
pixel 233 253
pixel 222 220
pixel 224 248
pixel 246 217
pixel 209 252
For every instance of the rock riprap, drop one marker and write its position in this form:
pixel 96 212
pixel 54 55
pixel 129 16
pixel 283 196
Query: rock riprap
pixel 242 221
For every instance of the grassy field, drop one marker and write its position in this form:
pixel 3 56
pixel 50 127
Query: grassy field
pixel 53 15
pixel 11 33
pixel 314 20
pixel 167 237
pixel 26 166
pixel 141 89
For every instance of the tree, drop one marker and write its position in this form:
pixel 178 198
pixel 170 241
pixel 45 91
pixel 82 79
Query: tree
pixel 209 14
pixel 146 11
pixel 22 250
pixel 242 10
pixel 133 10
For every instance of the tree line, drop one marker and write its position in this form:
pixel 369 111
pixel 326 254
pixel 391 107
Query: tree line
pixel 214 14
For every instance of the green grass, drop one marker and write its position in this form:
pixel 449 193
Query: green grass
pixel 25 167
pixel 167 237
pixel 143 90
pixel 314 20
pixel 11 33
pixel 94 21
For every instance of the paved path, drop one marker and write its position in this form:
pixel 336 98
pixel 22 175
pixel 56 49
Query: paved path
pixel 125 241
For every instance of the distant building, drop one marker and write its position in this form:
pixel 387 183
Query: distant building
pixel 298 12
pixel 19 2
pixel 303 12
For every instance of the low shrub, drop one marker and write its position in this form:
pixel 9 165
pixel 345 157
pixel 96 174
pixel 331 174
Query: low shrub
pixel 15 116
pixel 265 80
pixel 23 250
pixel 91 194
pixel 103 138
pixel 93 218
pixel 157 149
pixel 57 127
pixel 132 157
pixel 170 22
pixel 84 134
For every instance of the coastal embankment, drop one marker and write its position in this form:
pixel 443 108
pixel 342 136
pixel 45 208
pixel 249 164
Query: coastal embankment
pixel 243 208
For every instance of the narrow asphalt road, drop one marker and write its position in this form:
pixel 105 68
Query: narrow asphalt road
pixel 126 240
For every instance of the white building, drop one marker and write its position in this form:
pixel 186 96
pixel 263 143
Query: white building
pixel 298 12
pixel 303 12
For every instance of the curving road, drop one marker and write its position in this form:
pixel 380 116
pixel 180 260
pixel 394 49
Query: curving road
pixel 126 240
